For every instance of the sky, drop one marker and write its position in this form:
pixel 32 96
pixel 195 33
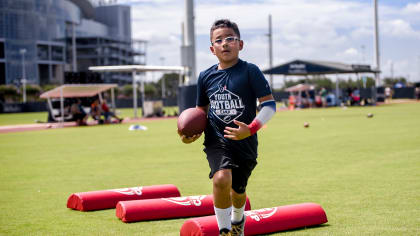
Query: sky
pixel 327 30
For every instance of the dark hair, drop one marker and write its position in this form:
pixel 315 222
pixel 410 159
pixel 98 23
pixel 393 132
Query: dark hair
pixel 224 23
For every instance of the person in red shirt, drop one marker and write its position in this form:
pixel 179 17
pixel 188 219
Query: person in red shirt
pixel 107 113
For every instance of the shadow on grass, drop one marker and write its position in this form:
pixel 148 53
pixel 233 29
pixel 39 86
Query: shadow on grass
pixel 167 220
pixel 163 219
pixel 299 229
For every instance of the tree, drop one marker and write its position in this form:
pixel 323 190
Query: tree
pixel 321 81
pixel 150 91
pixel 126 91
pixel 390 82
pixel 8 93
pixel 33 91
pixel 317 80
pixel 171 84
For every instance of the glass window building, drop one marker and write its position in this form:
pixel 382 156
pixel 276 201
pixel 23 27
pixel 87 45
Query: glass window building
pixel 46 38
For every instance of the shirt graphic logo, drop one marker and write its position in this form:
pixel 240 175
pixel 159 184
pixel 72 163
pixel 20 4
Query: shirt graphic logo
pixel 226 105
pixel 129 191
pixel 186 201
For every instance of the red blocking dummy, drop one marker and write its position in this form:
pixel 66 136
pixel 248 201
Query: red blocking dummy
pixel 165 208
pixel 104 199
pixel 262 221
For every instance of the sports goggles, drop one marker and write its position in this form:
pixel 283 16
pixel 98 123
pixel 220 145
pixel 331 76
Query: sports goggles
pixel 229 39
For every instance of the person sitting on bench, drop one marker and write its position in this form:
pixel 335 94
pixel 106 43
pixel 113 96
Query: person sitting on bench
pixel 79 114
pixel 108 113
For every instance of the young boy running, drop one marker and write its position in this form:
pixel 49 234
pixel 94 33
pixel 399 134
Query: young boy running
pixel 228 92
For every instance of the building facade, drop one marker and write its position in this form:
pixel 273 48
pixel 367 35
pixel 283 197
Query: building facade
pixel 40 40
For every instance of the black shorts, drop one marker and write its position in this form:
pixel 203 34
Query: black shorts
pixel 220 157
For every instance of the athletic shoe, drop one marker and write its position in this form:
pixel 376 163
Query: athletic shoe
pixel 238 228
pixel 224 232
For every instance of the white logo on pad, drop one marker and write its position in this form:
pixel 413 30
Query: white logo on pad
pixel 260 214
pixel 129 191
pixel 186 201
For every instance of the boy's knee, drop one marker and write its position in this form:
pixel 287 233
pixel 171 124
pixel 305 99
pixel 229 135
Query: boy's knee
pixel 238 190
pixel 222 179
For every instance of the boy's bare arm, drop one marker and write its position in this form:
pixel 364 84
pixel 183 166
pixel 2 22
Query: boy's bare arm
pixel 205 108
pixel 266 98
pixel 188 140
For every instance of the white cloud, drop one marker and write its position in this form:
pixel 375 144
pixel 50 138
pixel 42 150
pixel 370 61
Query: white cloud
pixel 401 68
pixel 351 52
pixel 413 8
pixel 399 28
pixel 321 30
pixel 361 32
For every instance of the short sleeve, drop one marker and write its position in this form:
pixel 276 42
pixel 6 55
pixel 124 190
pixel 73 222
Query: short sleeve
pixel 202 99
pixel 258 82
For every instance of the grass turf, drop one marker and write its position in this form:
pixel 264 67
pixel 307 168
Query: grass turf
pixel 364 172
pixel 32 117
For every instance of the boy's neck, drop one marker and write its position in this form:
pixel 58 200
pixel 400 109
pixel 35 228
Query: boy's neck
pixel 223 66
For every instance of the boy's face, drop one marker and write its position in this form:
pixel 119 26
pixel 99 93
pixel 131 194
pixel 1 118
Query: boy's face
pixel 226 52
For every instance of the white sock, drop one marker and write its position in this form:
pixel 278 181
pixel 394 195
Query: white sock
pixel 237 214
pixel 223 217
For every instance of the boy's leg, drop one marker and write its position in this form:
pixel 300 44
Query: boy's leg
pixel 238 202
pixel 240 177
pixel 238 217
pixel 222 183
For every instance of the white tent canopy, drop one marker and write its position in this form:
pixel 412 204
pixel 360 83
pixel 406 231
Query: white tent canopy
pixel 300 88
pixel 75 91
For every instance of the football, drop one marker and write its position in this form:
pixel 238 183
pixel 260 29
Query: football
pixel 306 124
pixel 192 121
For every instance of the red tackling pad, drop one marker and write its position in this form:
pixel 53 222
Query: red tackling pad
pixel 104 199
pixel 165 208
pixel 262 221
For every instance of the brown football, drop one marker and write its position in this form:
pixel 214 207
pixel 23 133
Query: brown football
pixel 192 121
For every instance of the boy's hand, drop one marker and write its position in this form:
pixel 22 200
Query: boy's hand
pixel 188 140
pixel 237 133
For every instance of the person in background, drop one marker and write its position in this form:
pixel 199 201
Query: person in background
pixel 323 93
pixel 388 94
pixel 107 113
pixel 79 114
pixel 95 111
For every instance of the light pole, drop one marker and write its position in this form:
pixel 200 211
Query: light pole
pixel 392 70
pixel 270 48
pixel 73 47
pixel 377 47
pixel 162 59
pixel 418 67
pixel 22 51
pixel 363 53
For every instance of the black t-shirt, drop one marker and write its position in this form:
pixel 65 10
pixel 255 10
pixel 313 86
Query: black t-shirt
pixel 231 95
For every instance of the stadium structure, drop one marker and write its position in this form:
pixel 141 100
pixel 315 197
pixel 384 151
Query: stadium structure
pixel 43 40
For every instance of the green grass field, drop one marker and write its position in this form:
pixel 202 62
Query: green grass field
pixel 30 118
pixel 364 172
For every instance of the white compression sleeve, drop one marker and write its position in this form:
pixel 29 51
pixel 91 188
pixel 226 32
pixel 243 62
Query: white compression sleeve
pixel 267 111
